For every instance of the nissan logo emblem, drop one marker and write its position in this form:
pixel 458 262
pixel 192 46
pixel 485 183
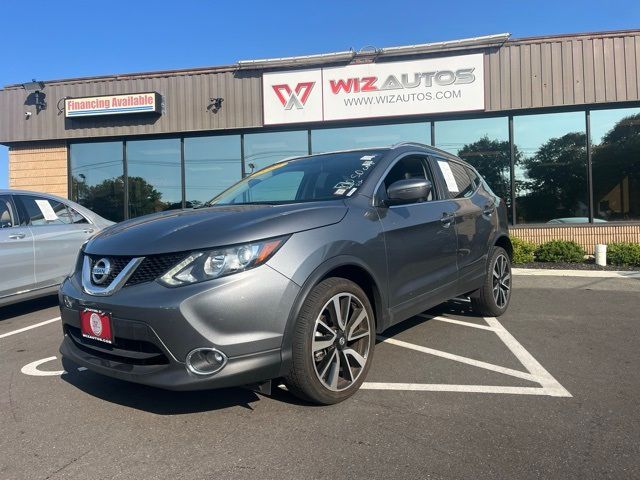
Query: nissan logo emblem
pixel 100 271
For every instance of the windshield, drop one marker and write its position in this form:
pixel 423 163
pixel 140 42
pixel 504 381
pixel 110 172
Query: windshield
pixel 306 179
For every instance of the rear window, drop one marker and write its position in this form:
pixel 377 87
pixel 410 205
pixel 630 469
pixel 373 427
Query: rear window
pixel 44 211
pixel 457 179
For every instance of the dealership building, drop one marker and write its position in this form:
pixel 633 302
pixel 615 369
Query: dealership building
pixel 553 123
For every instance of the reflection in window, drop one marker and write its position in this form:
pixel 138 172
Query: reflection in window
pixel 264 149
pixel 484 143
pixel 212 164
pixel 615 135
pixel 551 175
pixel 153 168
pixel 97 180
pixel 330 139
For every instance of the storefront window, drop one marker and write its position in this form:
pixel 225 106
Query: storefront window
pixel 484 143
pixel 264 149
pixel 154 172
pixel 615 136
pixel 330 139
pixel 551 168
pixel 97 180
pixel 211 164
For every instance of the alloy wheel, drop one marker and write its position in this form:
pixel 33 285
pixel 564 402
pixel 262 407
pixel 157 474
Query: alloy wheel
pixel 341 341
pixel 501 281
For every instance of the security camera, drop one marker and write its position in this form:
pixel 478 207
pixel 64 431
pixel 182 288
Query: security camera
pixel 27 115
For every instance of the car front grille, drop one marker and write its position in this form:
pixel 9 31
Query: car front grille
pixel 123 350
pixel 151 268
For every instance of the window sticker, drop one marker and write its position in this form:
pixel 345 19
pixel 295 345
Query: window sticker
pixel 367 157
pixel 445 168
pixel 351 192
pixel 47 211
pixel 340 191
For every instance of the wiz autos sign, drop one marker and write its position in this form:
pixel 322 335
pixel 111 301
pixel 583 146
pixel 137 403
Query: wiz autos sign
pixel 112 105
pixel 450 84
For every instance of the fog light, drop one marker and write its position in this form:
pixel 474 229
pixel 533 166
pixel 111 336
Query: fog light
pixel 68 301
pixel 205 361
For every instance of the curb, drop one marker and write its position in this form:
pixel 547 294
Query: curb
pixel 576 273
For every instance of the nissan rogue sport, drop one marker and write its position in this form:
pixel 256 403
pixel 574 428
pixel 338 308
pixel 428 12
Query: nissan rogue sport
pixel 288 274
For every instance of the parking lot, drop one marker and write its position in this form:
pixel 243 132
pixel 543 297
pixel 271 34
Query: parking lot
pixel 548 390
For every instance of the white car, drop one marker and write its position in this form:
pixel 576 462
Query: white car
pixel 40 236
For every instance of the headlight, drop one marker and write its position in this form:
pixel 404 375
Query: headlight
pixel 210 264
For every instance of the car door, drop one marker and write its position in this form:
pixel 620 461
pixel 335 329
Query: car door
pixel 474 219
pixel 16 251
pixel 420 242
pixel 56 238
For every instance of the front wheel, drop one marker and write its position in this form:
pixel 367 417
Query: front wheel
pixel 333 343
pixel 492 299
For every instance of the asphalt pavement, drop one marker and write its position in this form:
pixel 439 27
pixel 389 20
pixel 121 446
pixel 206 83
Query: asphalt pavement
pixel 549 390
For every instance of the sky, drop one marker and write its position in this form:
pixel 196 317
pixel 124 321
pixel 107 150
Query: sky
pixel 47 40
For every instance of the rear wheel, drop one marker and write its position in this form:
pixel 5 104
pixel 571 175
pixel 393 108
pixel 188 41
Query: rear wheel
pixel 492 299
pixel 333 343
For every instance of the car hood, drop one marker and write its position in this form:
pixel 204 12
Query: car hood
pixel 183 230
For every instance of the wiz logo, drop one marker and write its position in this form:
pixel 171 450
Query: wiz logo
pixel 293 98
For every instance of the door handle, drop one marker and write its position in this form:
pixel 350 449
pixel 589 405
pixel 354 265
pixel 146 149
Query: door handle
pixel 17 236
pixel 488 209
pixel 88 230
pixel 447 219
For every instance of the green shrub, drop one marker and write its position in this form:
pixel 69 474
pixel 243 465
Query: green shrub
pixel 522 250
pixel 624 254
pixel 560 251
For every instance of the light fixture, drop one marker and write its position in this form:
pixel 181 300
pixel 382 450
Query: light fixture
pixel 36 96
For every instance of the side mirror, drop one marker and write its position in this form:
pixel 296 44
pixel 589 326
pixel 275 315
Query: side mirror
pixel 409 191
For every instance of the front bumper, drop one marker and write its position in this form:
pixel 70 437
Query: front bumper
pixel 243 315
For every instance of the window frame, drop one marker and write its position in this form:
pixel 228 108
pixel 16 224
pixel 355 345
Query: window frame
pixel 13 211
pixel 27 218
pixel 378 197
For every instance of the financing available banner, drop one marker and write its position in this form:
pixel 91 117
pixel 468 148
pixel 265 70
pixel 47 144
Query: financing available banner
pixel 438 85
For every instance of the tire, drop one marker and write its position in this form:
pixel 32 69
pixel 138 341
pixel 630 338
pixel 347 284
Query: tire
pixel 331 357
pixel 492 299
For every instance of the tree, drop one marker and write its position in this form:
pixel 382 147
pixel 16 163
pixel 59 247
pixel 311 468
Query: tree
pixel 556 180
pixel 492 159
pixel 616 171
pixel 107 197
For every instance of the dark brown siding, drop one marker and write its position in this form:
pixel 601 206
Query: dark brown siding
pixel 568 70
pixel 186 98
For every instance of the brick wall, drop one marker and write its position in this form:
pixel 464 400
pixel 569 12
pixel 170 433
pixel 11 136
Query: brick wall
pixel 587 235
pixel 41 169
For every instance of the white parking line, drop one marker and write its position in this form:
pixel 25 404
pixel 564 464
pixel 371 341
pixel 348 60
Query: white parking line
pixel 458 358
pixel 20 330
pixel 535 372
pixel 443 387
pixel 458 322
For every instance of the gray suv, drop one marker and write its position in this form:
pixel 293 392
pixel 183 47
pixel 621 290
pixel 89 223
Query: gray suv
pixel 289 274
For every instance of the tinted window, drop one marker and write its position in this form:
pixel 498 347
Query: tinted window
pixel 75 216
pixel 483 143
pixel 473 176
pixel 97 180
pixel 327 140
pixel 413 166
pixel 43 211
pixel 7 215
pixel 212 164
pixel 551 167
pixel 615 135
pixel 155 176
pixel 323 177
pixel 456 179
pixel 264 149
